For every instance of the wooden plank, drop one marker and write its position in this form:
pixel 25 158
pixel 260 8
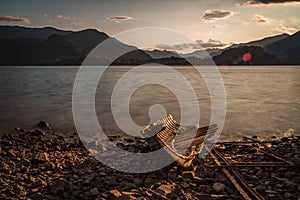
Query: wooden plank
pixel 230 177
pixel 240 178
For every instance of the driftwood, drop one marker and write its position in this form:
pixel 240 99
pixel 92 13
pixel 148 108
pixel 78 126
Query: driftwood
pixel 165 134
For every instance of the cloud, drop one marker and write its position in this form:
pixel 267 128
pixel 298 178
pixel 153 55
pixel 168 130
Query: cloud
pixel 50 21
pixel 220 26
pixel 212 15
pixel 199 44
pixel 260 19
pixel 63 17
pixel 76 23
pixel 14 19
pixel 118 19
pixel 211 43
pixel 285 29
pixel 45 15
pixel 269 2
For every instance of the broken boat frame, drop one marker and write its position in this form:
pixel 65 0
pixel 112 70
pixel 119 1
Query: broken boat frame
pixel 163 134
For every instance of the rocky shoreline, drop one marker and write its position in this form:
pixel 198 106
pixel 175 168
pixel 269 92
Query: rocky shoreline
pixel 41 164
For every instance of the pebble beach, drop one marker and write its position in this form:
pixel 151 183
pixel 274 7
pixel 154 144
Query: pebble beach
pixel 43 164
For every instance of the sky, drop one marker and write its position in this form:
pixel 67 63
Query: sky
pixel 215 23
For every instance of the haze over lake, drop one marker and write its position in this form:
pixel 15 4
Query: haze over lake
pixel 259 99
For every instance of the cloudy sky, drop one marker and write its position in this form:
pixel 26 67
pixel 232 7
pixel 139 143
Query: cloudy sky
pixel 212 23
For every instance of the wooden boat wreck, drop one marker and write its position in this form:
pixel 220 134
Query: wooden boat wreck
pixel 167 134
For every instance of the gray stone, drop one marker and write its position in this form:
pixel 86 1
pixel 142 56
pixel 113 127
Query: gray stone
pixel 267 182
pixel 219 187
pixel 166 189
pixel 44 124
pixel 41 157
pixel 94 191
pixel 148 181
pixel 287 195
pixel 5 168
pixel 137 181
pixel 184 185
pixel 20 129
pixel 270 192
pixel 37 132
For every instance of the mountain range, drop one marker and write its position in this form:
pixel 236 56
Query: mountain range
pixel 51 46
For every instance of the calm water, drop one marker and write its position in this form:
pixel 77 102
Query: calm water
pixel 260 100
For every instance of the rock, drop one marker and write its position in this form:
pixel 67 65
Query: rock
pixel 260 188
pixel 270 192
pixel 219 187
pixel 188 174
pixel 38 184
pixel 148 181
pixel 137 181
pixel 60 186
pixel 129 140
pixel 166 189
pixel 11 153
pixel 132 149
pixel 112 181
pixel 289 133
pixel 193 184
pixel 115 193
pixel 41 158
pixel 5 168
pixel 50 166
pixel 184 185
pixel 37 132
pixel 20 129
pixel 44 124
pixel 94 191
pixel 287 195
pixel 81 175
pixel 255 178
pixel 34 190
pixel 120 145
pixel 36 196
pixel 199 180
pixel 267 182
pixel 172 175
pixel 290 184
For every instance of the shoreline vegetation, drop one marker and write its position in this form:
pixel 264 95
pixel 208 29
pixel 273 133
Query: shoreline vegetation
pixel 48 46
pixel 42 164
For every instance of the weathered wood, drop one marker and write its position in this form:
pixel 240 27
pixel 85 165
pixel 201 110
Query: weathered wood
pixel 253 192
pixel 231 178
pixel 276 157
pixel 162 134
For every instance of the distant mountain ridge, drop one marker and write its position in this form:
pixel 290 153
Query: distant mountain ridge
pixel 51 46
pixel 87 39
pixel 12 32
pixel 27 47
pixel 262 42
pixel 158 54
pixel 287 49
pixel 234 56
pixel 203 54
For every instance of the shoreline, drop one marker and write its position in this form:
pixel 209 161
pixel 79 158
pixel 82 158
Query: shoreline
pixel 71 131
pixel 40 165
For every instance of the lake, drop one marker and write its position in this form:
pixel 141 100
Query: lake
pixel 260 100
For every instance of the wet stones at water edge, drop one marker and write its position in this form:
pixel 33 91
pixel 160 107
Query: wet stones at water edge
pixel 43 124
